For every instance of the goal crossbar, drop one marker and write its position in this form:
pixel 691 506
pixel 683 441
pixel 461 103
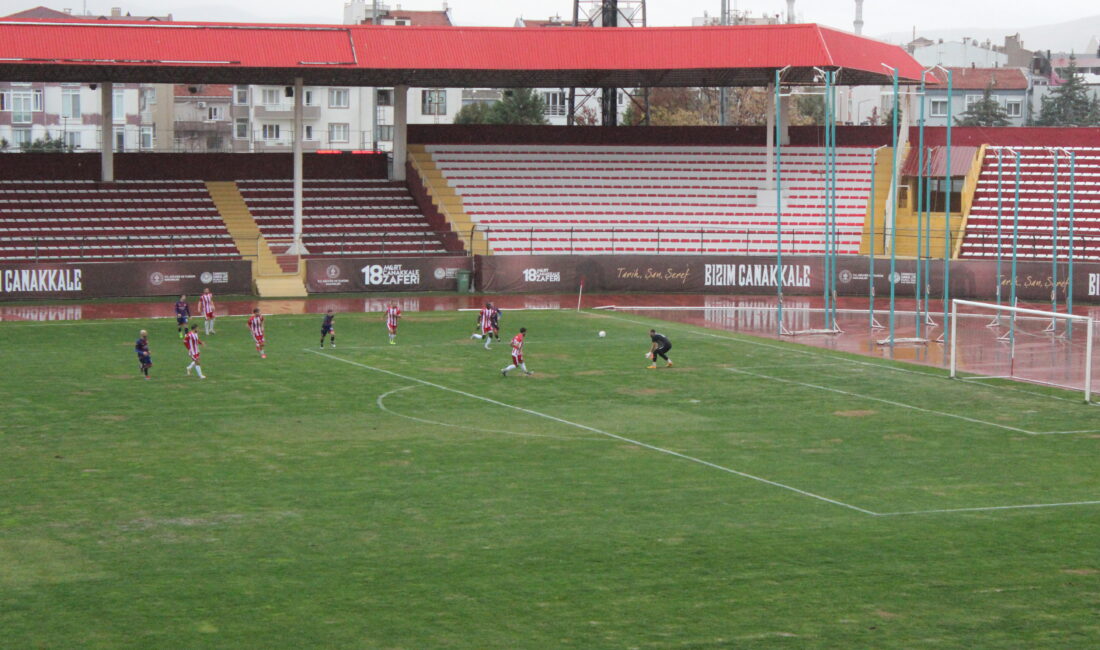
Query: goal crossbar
pixel 1013 312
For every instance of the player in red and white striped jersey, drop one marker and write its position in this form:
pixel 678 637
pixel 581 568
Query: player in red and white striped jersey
pixel 191 342
pixel 256 326
pixel 517 354
pixel 485 325
pixel 392 315
pixel 206 306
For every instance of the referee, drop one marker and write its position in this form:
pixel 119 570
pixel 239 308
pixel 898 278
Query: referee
pixel 660 348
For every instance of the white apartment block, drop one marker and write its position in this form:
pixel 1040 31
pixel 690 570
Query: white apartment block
pixel 71 112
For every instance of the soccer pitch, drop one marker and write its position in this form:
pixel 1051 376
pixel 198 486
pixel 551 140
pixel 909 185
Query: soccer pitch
pixel 757 494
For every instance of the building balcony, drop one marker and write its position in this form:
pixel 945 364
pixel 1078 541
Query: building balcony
pixel 286 112
pixel 205 126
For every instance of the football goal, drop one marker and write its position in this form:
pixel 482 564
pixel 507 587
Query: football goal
pixel 990 341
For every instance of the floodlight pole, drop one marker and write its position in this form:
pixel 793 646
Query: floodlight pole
pixel 947 206
pixel 1054 241
pixel 1015 246
pixel 920 197
pixel 778 208
pixel 1072 215
pixel 1000 203
pixel 894 210
pixel 871 271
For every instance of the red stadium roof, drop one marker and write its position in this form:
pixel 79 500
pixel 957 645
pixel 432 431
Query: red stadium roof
pixel 52 50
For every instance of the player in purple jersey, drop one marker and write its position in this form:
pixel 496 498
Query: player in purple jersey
pixel 142 349
pixel 183 312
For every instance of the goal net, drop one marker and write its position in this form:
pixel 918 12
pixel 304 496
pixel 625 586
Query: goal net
pixel 989 341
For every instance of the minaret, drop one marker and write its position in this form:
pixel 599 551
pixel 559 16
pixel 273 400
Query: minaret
pixel 859 17
pixel 790 11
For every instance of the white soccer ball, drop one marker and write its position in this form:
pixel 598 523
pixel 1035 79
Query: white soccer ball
pixel 602 334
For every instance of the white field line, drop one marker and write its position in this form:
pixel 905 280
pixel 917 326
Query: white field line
pixel 381 399
pixel 817 352
pixel 989 508
pixel 585 427
pixel 904 405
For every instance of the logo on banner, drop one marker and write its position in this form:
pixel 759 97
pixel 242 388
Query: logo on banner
pixel 845 276
pixel 332 271
pixel 156 278
pixel 42 280
pixel 207 277
pixel 541 275
pixel 389 274
pixel 755 275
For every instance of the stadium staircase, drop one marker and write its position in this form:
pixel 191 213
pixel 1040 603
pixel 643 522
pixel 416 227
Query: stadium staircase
pixel 344 217
pixel 1036 223
pixel 644 199
pixel 70 220
pixel 271 276
pixel 446 200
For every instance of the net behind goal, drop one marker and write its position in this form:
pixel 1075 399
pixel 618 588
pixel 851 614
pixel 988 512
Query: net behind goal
pixel 989 341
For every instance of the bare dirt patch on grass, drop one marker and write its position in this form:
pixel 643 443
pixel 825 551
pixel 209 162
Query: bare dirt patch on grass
pixel 644 392
pixel 1081 572
pixel 860 413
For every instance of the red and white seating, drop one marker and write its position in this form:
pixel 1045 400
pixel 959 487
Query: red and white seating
pixel 352 217
pixel 667 199
pixel 59 220
pixel 1036 224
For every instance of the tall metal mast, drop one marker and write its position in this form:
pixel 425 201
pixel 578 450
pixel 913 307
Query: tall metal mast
pixel 608 13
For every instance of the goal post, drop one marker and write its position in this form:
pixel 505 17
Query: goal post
pixel 1020 344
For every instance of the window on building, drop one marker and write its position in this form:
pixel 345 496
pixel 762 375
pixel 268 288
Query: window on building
pixel 118 106
pixel 338 98
pixel 308 97
pixel 308 132
pixel 72 139
pixel 21 137
pixel 620 98
pixel 22 107
pixel 215 113
pixel 70 103
pixel 384 96
pixel 971 100
pixel 385 133
pixel 1014 108
pixel 240 128
pixel 555 102
pixel 271 132
pixel 338 132
pixel 433 102
pixel 120 139
pixel 148 98
pixel 240 95
pixel 938 108
pixel 146 137
pixel 270 97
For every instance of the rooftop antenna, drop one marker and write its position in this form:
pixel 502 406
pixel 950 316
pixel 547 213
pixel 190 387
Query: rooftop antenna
pixel 858 23
pixel 790 11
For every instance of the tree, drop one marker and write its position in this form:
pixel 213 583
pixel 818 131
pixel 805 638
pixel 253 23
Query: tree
pixel 809 109
pixel 519 106
pixel 48 145
pixel 985 112
pixel 475 113
pixel 1069 104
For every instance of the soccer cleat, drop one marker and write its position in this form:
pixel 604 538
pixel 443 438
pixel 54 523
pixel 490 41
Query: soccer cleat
pixel 333 346
pixel 188 372
pixel 668 365
pixel 503 373
pixel 651 367
pixel 323 346
pixel 393 342
pixel 528 372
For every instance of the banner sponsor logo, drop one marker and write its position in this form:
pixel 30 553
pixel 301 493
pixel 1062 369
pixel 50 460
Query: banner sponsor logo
pixel 1094 284
pixel 541 275
pixel 68 280
pixel 672 274
pixel 389 274
pixel 755 275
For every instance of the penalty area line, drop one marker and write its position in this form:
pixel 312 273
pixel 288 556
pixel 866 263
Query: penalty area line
pixel 601 432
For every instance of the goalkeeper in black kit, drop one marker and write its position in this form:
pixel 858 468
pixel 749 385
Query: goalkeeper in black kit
pixel 661 346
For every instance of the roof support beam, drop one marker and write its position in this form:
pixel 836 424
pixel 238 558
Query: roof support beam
pixel 107 132
pixel 298 247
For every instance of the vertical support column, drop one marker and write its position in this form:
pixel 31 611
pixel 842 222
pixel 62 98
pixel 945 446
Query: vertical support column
pixel 772 128
pixel 107 132
pixel 784 118
pixel 400 130
pixel 297 247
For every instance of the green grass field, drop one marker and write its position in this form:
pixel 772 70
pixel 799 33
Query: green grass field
pixel 759 494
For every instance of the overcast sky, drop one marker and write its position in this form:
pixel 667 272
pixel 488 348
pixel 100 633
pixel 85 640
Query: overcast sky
pixel 880 16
